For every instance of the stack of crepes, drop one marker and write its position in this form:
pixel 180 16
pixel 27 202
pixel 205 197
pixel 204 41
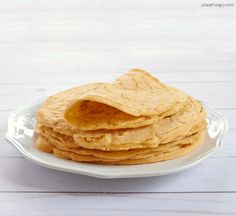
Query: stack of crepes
pixel 134 120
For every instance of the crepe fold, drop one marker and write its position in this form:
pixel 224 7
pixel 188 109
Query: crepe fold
pixel 135 119
pixel 135 99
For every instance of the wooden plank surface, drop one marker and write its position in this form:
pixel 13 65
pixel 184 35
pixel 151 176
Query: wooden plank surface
pixel 205 177
pixel 48 46
pixel 170 204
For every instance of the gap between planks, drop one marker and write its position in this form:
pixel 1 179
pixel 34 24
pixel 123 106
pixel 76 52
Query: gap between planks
pixel 139 192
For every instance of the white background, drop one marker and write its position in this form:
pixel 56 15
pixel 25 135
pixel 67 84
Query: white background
pixel 50 45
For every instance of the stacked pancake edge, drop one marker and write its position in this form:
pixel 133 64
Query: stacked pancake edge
pixel 134 120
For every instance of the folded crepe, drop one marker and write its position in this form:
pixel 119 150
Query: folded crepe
pixel 135 99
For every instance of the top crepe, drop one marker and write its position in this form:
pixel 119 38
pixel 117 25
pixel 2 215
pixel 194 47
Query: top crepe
pixel 133 100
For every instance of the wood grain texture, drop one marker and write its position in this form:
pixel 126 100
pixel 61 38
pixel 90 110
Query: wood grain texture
pixel 48 46
pixel 19 174
pixel 171 204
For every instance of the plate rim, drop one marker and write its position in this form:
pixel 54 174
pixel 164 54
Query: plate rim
pixel 99 174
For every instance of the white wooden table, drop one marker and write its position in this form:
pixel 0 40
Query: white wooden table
pixel 47 46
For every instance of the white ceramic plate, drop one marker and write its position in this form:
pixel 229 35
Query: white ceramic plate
pixel 21 135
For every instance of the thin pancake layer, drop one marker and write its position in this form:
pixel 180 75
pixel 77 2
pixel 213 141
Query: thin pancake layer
pixel 51 113
pixel 155 157
pixel 134 120
pixel 161 131
pixel 135 99
pixel 68 141
pixel 49 143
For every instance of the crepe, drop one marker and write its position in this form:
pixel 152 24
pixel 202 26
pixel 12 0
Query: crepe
pixel 82 154
pixel 163 152
pixel 135 119
pixel 174 153
pixel 68 141
pixel 135 99
pixel 164 130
